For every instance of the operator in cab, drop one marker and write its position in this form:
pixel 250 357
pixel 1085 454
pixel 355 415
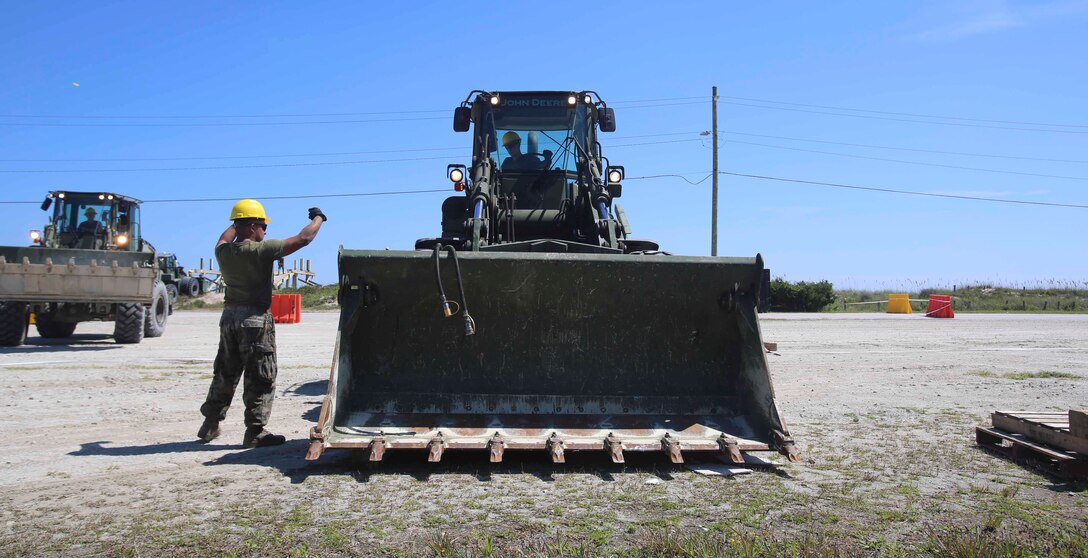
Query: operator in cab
pixel 247 335
pixel 518 161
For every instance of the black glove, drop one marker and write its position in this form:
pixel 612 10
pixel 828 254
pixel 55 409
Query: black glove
pixel 316 212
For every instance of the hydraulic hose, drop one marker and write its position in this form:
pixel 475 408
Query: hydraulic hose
pixel 470 324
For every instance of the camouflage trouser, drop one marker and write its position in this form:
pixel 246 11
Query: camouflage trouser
pixel 247 343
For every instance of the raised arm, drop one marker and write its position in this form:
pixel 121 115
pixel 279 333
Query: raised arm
pixel 227 236
pixel 307 234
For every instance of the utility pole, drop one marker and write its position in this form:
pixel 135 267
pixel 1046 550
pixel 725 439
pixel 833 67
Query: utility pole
pixel 714 201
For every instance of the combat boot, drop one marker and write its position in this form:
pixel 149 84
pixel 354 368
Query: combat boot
pixel 258 437
pixel 208 431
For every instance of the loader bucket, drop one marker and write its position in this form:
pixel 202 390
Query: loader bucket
pixel 604 352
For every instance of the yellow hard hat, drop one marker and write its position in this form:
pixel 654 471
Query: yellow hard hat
pixel 510 137
pixel 248 209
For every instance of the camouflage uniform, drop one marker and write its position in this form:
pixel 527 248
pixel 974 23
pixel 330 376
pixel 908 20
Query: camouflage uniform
pixel 247 336
pixel 247 343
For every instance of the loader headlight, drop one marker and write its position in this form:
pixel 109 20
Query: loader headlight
pixel 61 195
pixel 615 175
pixel 122 240
pixel 101 196
pixel 35 236
pixel 572 100
pixel 457 175
pixel 494 99
pixel 588 100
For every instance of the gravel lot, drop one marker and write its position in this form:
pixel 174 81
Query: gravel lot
pixel 99 457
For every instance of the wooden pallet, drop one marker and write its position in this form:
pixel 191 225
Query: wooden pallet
pixel 1042 439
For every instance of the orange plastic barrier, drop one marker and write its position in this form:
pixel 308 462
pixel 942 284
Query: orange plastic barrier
pixel 287 308
pixel 940 306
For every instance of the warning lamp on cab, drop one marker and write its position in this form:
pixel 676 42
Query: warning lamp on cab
pixel 456 174
pixel 614 176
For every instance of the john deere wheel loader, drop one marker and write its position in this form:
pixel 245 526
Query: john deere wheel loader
pixel 89 263
pixel 536 322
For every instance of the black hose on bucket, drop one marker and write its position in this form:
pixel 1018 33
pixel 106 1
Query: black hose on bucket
pixel 470 324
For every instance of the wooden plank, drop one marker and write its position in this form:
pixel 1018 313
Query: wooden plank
pixel 1078 423
pixel 1034 414
pixel 992 435
pixel 1060 438
pixel 1020 449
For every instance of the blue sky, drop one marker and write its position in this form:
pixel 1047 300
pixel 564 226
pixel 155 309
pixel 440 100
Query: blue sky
pixel 965 98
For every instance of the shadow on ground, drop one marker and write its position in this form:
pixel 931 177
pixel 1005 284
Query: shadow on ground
pixel 75 343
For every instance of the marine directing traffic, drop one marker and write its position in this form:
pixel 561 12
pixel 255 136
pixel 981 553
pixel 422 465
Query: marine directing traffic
pixel 247 335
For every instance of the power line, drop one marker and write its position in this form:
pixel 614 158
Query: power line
pixel 907 162
pixel 961 153
pixel 289 115
pixel 299 197
pixel 649 177
pixel 224 167
pixel 960 124
pixel 905 192
pixel 917 115
pixel 280 165
pixel 250 124
pixel 220 124
pixel 288 156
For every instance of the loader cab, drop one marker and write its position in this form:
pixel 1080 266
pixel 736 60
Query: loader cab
pixel 93 221
pixel 541 145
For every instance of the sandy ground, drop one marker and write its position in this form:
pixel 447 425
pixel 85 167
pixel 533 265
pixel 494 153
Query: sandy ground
pixel 98 451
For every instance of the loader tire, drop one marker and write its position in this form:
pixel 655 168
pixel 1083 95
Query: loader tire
pixel 129 325
pixel 12 324
pixel 158 312
pixel 51 329
pixel 172 291
pixel 190 286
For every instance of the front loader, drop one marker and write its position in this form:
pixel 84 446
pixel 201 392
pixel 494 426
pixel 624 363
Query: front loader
pixel 90 262
pixel 536 322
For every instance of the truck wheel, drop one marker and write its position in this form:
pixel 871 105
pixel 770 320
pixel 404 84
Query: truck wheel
pixel 12 324
pixel 50 329
pixel 155 322
pixel 129 327
pixel 188 286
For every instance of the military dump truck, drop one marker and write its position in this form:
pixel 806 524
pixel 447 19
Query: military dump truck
pixel 89 262
pixel 568 334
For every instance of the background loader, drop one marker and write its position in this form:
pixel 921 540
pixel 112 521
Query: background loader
pixel 89 262
pixel 567 333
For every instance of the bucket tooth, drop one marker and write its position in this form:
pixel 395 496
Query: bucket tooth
pixel 672 445
pixel 317 444
pixel 786 446
pixel 497 444
pixel 730 448
pixel 615 447
pixel 377 449
pixel 435 449
pixel 555 446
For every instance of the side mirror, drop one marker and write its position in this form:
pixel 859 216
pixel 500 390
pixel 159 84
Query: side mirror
pixel 606 119
pixel 462 118
pixel 48 202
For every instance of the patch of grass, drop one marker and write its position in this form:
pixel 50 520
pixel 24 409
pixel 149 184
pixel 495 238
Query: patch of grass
pixel 1043 374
